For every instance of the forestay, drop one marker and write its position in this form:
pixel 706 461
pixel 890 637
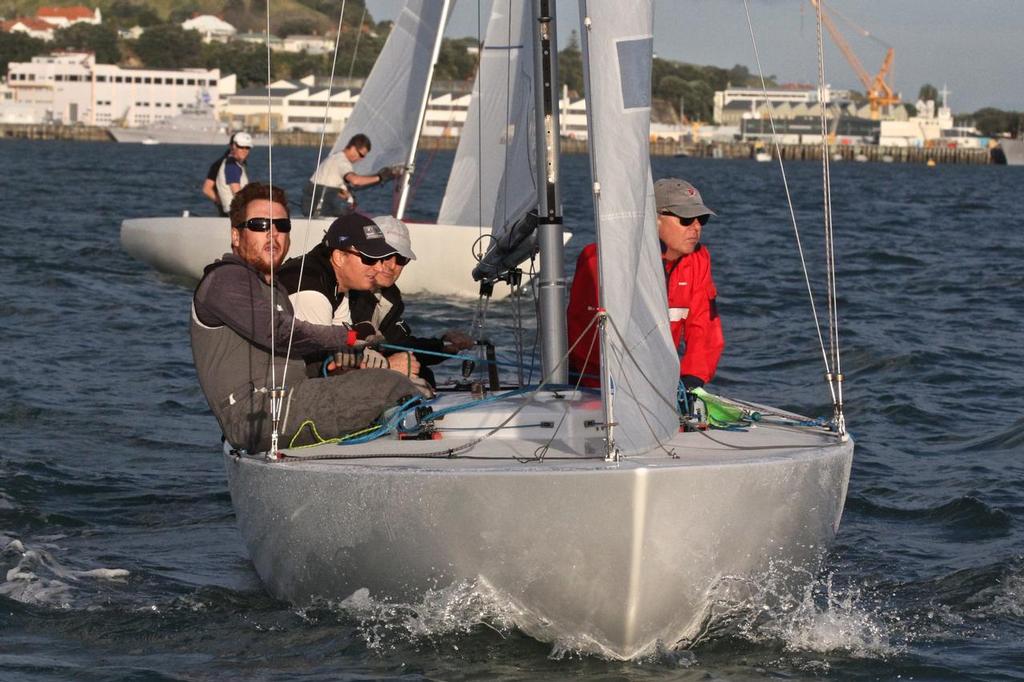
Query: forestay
pixel 492 182
pixel 641 361
pixel 389 107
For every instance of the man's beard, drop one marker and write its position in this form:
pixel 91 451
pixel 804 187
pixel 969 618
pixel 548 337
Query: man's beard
pixel 268 267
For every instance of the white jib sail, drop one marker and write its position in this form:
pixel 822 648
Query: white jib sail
pixel 492 182
pixel 642 363
pixel 389 105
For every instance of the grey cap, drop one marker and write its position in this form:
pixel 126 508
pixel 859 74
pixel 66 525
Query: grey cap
pixel 679 197
pixel 396 234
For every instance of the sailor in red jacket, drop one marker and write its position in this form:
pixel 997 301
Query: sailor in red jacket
pixel 692 312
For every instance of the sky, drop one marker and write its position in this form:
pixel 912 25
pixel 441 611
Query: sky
pixel 973 47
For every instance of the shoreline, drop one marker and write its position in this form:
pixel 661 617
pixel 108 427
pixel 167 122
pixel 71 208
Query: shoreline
pixel 724 150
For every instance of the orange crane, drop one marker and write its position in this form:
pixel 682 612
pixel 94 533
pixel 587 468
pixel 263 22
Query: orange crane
pixel 877 88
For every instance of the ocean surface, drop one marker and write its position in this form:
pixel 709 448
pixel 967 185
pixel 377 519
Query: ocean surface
pixel 119 555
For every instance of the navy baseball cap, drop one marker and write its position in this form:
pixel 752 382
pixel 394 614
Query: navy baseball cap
pixel 359 233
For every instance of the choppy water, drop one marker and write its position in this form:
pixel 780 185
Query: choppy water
pixel 119 558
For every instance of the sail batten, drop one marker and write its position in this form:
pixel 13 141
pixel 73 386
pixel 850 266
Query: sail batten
pixel 641 363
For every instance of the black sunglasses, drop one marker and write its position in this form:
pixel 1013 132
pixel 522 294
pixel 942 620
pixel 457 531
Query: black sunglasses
pixel 263 224
pixel 371 261
pixel 687 222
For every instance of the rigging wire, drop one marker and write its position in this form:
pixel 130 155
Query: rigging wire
pixel 835 376
pixel 789 199
pixel 275 414
pixel 276 393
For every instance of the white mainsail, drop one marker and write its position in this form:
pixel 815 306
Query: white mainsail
pixel 390 106
pixel 492 182
pixel 642 363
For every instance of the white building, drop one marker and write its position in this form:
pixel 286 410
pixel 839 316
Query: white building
pixel 731 104
pixel 30 26
pixel 211 28
pixel 16 112
pixel 307 44
pixel 300 105
pixel 70 87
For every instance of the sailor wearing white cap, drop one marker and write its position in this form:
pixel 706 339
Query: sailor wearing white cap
pixel 227 174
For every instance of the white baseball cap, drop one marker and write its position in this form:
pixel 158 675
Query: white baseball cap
pixel 242 139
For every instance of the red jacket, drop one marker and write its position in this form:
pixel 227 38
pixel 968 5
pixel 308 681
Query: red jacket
pixel 693 315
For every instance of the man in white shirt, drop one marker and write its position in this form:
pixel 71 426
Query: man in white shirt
pixel 329 190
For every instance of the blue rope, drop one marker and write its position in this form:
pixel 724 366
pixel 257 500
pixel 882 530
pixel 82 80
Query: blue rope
pixel 387 427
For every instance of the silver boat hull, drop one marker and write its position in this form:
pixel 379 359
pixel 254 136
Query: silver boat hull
pixel 613 558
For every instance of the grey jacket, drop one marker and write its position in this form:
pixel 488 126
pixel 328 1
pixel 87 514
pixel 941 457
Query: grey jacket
pixel 232 336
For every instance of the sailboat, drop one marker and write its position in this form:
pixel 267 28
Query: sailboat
pixel 390 111
pixel 592 516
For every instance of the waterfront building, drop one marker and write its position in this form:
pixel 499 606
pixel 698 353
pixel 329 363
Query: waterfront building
pixel 298 105
pixel 844 128
pixel 70 87
pixel 732 105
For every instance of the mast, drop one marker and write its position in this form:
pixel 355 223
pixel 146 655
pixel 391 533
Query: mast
pixel 551 297
pixel 403 192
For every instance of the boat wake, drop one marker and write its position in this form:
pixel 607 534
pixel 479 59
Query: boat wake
pixel 821 620
pixel 459 609
pixel 34 575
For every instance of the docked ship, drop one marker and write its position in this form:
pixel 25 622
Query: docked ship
pixel 196 124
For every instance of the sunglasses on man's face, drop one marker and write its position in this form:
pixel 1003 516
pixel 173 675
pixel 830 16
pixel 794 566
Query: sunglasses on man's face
pixel 263 224
pixel 371 261
pixel 368 261
pixel 687 222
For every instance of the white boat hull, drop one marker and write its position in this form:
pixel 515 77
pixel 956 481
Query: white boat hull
pixel 182 246
pixel 613 558
pixel 1014 151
